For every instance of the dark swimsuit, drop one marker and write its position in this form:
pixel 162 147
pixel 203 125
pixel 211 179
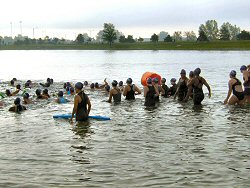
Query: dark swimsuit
pixel 172 89
pixel 166 89
pixel 183 89
pixel 247 87
pixel 150 97
pixel 130 94
pixel 81 113
pixel 239 95
pixel 198 94
pixel 117 97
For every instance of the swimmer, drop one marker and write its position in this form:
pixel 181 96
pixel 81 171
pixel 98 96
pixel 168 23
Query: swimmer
pixel 8 92
pixel 72 91
pixel 165 87
pixel 235 86
pixel 173 88
pixel 130 90
pixel 107 88
pixel 196 83
pixel 26 99
pixel 85 83
pixel 114 93
pixel 61 99
pixel 18 88
pixel 150 93
pixel 92 86
pixel 67 90
pixel 12 83
pixel 47 84
pixel 246 83
pixel 14 79
pixel 46 93
pixel 121 87
pixel 39 94
pixel 190 87
pixel 161 91
pixel 82 104
pixel 17 106
pixel 182 87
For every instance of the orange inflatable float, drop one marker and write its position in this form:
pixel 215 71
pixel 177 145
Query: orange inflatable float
pixel 147 75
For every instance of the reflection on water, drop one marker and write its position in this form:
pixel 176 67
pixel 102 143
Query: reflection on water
pixel 172 145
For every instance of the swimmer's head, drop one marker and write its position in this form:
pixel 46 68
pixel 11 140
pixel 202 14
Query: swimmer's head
pixel 14 79
pixel 155 80
pixel 48 80
pixel 27 84
pixel 8 93
pixel 28 81
pixel 121 83
pixel 12 82
pixel 51 81
pixel 45 91
pixel 68 84
pixel 67 88
pixel 129 81
pixel 18 86
pixel 107 88
pixel 38 92
pixel 85 83
pixel 191 74
pixel 79 85
pixel 163 80
pixel 92 85
pixel 243 68
pixel 173 81
pixel 149 81
pixel 96 85
pixel 64 86
pixel 232 73
pixel 60 94
pixel 26 96
pixel 71 89
pixel 114 83
pixel 183 72
pixel 17 101
pixel 197 71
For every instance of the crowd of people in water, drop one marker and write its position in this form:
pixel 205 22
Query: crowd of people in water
pixel 184 89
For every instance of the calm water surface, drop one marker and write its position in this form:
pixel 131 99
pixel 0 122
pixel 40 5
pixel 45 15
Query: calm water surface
pixel 174 145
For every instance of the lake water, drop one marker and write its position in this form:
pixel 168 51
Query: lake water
pixel 174 145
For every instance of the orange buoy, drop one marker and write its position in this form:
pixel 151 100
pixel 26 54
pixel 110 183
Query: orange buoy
pixel 147 75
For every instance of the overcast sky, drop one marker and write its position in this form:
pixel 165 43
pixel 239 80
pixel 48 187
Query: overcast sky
pixel 67 18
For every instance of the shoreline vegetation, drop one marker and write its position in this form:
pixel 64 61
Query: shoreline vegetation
pixel 181 45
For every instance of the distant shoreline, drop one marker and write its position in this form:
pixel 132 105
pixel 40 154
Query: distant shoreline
pixel 184 45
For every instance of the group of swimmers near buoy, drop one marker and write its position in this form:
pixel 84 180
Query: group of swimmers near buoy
pixel 153 88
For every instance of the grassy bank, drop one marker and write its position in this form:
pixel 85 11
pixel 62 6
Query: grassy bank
pixel 215 45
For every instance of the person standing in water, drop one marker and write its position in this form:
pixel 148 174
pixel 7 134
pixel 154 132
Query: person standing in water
pixel 150 93
pixel 190 87
pixel 130 90
pixel 234 86
pixel 246 78
pixel 165 87
pixel 173 88
pixel 196 84
pixel 182 87
pixel 17 106
pixel 26 99
pixel 155 82
pixel 82 104
pixel 114 93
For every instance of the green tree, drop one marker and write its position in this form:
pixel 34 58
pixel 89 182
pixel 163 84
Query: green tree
pixel 122 39
pixel 224 33
pixel 211 29
pixel 130 39
pixel 190 36
pixel 154 38
pixel 109 33
pixel 80 39
pixel 168 39
pixel 244 35
pixel 140 39
pixel 177 36
pixel 202 36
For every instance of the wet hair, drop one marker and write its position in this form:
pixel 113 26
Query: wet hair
pixel 155 80
pixel 64 85
pixel 233 73
pixel 51 81
pixel 12 82
pixel 14 79
pixel 197 71
pixel 26 95
pixel 149 81
pixel 60 94
pixel 85 83
pixel 96 85
pixel 129 81
pixel 28 81
pixel 191 74
pixel 163 80
pixel 71 89
pixel 8 93
pixel 121 83
pixel 38 92
pixel 45 91
pixel 67 88
pixel 79 85
pixel 92 85
pixel 114 83
pixel 48 80
pixel 107 88
pixel 243 67
pixel 17 101
pixel 183 71
pixel 18 86
pixel 173 80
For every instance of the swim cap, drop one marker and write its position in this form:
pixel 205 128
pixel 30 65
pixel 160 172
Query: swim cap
pixel 243 67
pixel 64 85
pixel 8 92
pixel 163 80
pixel 149 81
pixel 45 91
pixel 48 80
pixel 27 84
pixel 197 71
pixel 92 85
pixel 38 92
pixel 17 101
pixel 155 80
pixel 26 95
pixel 51 80
pixel 12 82
pixel 14 79
pixel 71 89
pixel 183 71
pixel 60 94
pixel 67 84
pixel 173 80
pixel 96 85
pixel 28 81
pixel 18 86
pixel 67 88
pixel 79 85
pixel 233 73
pixel 114 83
pixel 129 81
pixel 107 88
pixel 86 83
pixel 121 83
pixel 191 74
